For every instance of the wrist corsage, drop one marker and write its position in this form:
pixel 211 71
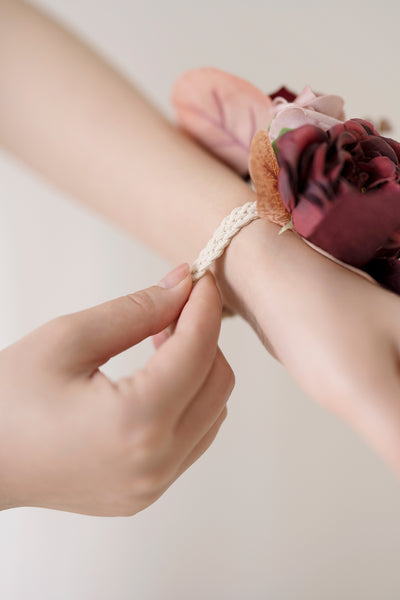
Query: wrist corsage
pixel 335 182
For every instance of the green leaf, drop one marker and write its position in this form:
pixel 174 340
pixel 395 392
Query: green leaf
pixel 282 131
pixel 288 225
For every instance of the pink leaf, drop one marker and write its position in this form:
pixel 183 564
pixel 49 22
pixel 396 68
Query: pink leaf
pixel 222 111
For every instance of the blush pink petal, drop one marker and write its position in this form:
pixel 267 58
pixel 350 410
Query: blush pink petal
pixel 324 111
pixel 329 104
pixel 222 111
pixel 296 116
pixel 305 97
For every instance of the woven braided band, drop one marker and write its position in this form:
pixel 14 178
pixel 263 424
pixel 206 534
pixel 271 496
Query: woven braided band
pixel 229 227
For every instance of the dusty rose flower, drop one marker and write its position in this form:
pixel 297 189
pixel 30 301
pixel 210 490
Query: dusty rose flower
pixel 324 111
pixel 342 188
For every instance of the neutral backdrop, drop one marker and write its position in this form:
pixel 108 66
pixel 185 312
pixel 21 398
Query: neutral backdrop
pixel 288 503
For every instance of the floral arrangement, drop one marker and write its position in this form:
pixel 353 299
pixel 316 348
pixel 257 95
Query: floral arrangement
pixel 336 182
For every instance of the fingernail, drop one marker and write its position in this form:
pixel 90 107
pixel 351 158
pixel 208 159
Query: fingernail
pixel 175 276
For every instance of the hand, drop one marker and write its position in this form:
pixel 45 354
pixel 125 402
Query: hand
pixel 337 333
pixel 73 440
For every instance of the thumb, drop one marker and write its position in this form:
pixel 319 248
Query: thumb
pixel 112 327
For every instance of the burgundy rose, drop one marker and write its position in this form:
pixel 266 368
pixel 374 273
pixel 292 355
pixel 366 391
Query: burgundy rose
pixel 342 188
pixel 386 271
pixel 285 93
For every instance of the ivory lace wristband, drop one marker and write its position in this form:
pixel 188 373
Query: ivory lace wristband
pixel 229 227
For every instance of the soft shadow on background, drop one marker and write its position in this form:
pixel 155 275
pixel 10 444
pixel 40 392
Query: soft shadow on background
pixel 288 503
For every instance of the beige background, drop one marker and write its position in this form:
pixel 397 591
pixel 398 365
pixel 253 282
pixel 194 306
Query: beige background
pixel 288 503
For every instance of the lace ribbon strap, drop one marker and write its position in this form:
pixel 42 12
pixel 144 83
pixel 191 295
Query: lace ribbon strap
pixel 229 227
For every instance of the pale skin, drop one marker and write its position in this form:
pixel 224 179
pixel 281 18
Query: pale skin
pixel 73 440
pixel 91 133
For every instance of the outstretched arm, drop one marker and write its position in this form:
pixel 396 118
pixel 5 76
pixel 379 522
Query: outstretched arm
pixel 72 117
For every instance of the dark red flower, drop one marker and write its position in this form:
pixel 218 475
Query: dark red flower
pixel 386 271
pixel 342 188
pixel 283 92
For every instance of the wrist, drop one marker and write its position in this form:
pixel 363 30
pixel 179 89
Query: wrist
pixel 260 276
pixel 245 273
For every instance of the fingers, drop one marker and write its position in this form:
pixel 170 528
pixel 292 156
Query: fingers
pixel 194 438
pixel 209 402
pixel 179 367
pixel 96 334
pixel 204 444
pixel 160 338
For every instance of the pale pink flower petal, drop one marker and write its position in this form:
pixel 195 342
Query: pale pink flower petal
pixel 329 105
pixel 295 117
pixel 221 111
pixel 306 96
pixel 324 111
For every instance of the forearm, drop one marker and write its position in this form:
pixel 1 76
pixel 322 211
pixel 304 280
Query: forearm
pixel 68 114
pixel 72 117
